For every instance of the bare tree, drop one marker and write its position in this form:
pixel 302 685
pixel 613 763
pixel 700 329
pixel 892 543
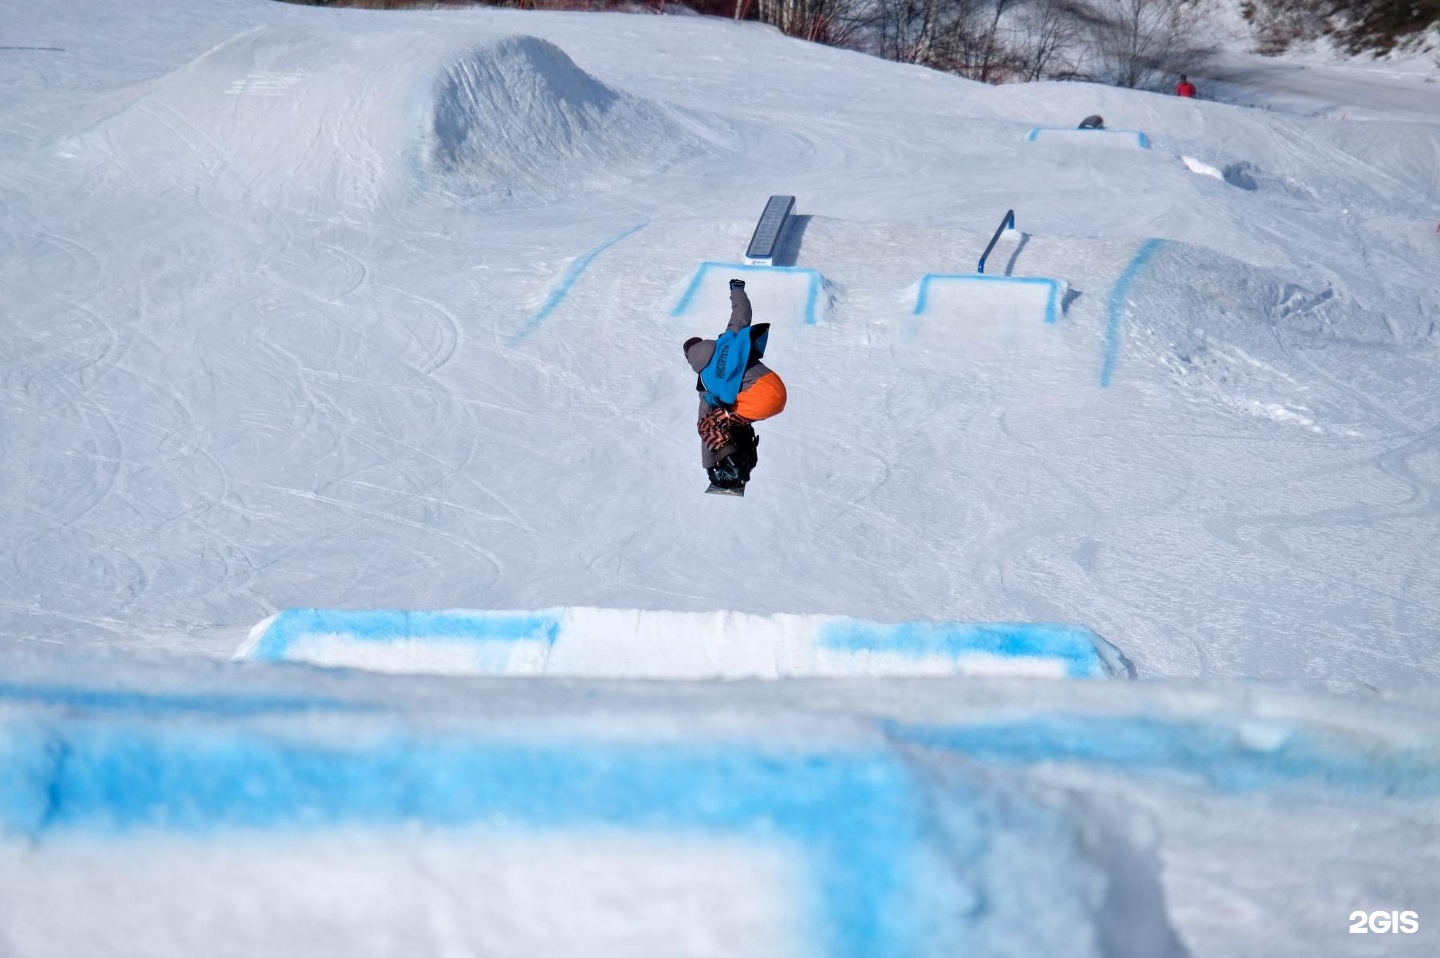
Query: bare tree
pixel 1378 26
pixel 1279 23
pixel 815 20
pixel 1045 38
pixel 1136 40
pixel 993 58
pixel 929 26
pixel 902 30
pixel 997 41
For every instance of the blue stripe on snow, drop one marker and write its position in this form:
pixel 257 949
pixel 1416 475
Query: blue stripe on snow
pixel 1072 645
pixel 229 705
pixel 857 815
pixel 853 814
pixel 812 298
pixel 562 289
pixel 1226 758
pixel 1052 301
pixel 1117 307
pixel 397 625
pixel 1141 140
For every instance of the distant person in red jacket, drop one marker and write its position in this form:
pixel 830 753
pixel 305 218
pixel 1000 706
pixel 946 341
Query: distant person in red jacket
pixel 1184 87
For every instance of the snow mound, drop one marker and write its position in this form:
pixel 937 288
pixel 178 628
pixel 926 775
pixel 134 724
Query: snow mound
pixel 1202 168
pixel 276 114
pixel 1245 175
pixel 292 114
pixel 519 115
pixel 1234 334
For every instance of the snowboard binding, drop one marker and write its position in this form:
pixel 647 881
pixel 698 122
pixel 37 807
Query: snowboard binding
pixel 732 472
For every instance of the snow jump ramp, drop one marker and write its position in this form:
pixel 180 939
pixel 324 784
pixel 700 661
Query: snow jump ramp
pixel 642 644
pixel 1003 329
pixel 1006 301
pixel 993 305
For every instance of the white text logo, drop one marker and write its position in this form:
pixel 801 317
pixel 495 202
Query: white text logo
pixel 1382 921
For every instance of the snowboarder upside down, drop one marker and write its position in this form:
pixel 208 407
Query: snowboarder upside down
pixel 736 389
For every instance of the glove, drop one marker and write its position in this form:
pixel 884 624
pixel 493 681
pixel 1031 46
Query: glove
pixel 714 428
pixel 737 284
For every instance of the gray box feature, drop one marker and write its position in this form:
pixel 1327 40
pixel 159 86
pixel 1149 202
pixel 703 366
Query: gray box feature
pixel 768 231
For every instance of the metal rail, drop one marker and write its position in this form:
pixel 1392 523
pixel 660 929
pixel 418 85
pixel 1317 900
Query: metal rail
pixel 1007 222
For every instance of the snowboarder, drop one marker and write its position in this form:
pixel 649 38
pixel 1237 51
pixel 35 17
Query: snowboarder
pixel 736 389
pixel 1184 88
pixel 1093 122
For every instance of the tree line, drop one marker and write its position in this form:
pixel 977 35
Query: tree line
pixel 1357 26
pixel 1132 43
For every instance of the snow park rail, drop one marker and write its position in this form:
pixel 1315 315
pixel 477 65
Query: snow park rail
pixel 765 241
pixel 632 643
pixel 1008 222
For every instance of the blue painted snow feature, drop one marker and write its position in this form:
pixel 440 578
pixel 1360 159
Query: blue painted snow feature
pixel 1141 140
pixel 1052 301
pixel 122 701
pixel 853 815
pixel 811 302
pixel 1222 757
pixel 397 625
pixel 862 816
pixel 562 289
pixel 1117 307
pixel 1072 645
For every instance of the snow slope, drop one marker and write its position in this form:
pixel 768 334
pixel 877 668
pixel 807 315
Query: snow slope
pixel 316 336
pixel 317 308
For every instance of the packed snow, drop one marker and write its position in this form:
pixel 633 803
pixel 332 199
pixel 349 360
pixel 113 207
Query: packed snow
pixel 328 309
pixel 294 322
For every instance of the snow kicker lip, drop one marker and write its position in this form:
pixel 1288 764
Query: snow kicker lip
pixel 1114 138
pixel 634 643
pixel 519 114
pixel 1035 294
pixel 775 290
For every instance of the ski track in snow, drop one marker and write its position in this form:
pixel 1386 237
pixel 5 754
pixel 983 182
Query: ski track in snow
pixel 287 343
